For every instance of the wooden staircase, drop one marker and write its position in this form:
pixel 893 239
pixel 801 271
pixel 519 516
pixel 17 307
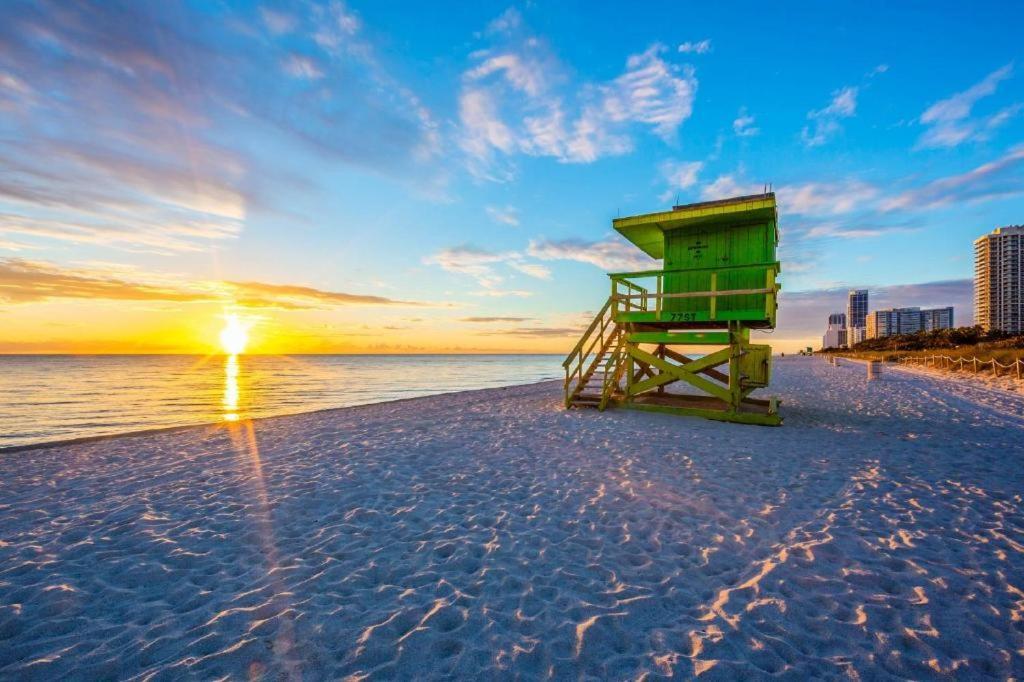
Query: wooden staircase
pixel 593 369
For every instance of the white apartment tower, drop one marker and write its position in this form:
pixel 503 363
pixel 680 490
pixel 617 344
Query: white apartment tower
pixel 835 333
pixel 999 279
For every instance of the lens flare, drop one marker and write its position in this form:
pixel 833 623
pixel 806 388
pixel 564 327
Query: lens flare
pixel 234 336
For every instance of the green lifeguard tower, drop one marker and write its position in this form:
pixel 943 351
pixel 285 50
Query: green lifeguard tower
pixel 717 283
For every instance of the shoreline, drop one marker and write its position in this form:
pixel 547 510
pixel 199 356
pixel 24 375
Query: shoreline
pixel 50 444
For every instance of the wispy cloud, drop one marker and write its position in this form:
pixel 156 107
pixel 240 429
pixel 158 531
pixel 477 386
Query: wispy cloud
pixel 302 66
pixel 502 293
pixel 9 245
pixel 532 269
pixel 841 209
pixel 651 91
pixel 853 209
pixel 113 106
pixel 520 72
pixel 532 332
pixel 825 123
pixel 698 47
pixel 853 230
pixel 504 214
pixel 949 121
pixel 552 329
pixel 743 124
pixel 489 320
pixel 826 198
pixel 483 132
pixel 469 260
pixel 515 100
pixel 295 296
pixel 868 204
pixel 727 185
pixel 608 254
pixel 506 23
pixel 142 196
pixel 24 281
pixel 278 22
pixel 997 179
pixel 160 236
pixel 679 175
pixel 480 264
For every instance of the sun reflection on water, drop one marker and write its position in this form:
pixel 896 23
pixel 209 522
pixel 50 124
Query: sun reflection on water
pixel 231 388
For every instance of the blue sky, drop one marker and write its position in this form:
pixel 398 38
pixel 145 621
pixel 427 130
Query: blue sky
pixel 461 164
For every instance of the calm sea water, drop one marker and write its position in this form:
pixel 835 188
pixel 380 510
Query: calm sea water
pixel 54 397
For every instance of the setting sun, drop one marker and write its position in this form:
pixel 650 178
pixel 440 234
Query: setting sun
pixel 234 336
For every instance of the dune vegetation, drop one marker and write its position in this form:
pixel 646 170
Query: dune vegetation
pixel 961 342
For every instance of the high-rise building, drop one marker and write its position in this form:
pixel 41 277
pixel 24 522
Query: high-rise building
pixel 855 335
pixel 937 318
pixel 835 333
pixel 999 279
pixel 856 314
pixel 895 321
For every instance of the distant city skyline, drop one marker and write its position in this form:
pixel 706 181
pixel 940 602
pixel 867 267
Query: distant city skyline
pixel 872 323
pixel 338 179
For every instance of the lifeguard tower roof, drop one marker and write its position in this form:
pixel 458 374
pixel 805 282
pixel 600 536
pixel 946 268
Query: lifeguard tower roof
pixel 647 231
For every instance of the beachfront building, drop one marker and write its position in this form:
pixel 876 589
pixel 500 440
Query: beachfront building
pixel 855 335
pixel 856 314
pixel 835 332
pixel 893 321
pixel 937 318
pixel 718 282
pixel 999 280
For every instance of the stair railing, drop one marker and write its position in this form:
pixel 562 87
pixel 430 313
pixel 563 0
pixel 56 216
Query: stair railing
pixel 593 342
pixel 613 372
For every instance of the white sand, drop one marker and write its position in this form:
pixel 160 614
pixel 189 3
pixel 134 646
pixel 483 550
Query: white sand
pixel 880 532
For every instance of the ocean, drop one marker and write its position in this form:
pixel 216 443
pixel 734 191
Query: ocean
pixel 56 397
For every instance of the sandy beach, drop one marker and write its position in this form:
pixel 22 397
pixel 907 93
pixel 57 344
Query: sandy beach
pixel 878 533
